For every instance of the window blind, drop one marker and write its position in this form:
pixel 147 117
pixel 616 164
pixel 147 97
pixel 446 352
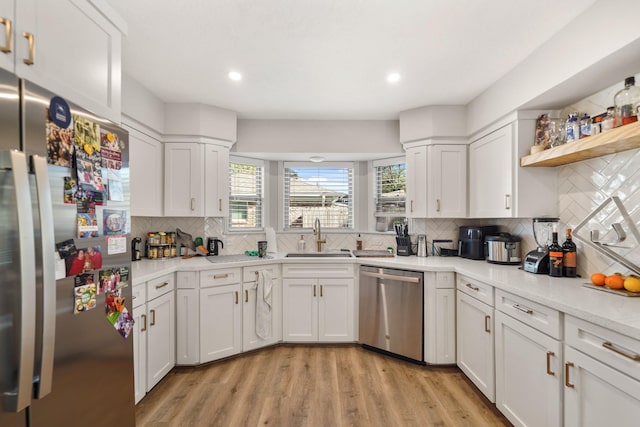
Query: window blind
pixel 246 195
pixel 312 192
pixel 391 189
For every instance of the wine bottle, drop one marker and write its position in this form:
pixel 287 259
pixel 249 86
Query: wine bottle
pixel 570 261
pixel 555 257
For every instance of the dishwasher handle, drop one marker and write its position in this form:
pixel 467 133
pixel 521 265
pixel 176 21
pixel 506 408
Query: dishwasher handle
pixel 391 277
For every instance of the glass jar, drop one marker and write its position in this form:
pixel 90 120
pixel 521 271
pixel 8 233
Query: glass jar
pixel 609 120
pixel 572 129
pixel 585 126
pixel 627 102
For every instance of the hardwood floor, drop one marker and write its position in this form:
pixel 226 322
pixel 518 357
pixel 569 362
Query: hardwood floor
pixel 316 385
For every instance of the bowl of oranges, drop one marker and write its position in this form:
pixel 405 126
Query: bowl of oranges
pixel 617 282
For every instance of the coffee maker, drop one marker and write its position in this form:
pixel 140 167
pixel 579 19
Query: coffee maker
pixel 212 246
pixel 471 241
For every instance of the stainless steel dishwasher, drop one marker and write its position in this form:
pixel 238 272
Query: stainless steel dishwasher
pixel 391 311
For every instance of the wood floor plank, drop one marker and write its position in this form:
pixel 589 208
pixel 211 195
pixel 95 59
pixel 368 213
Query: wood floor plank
pixel 315 385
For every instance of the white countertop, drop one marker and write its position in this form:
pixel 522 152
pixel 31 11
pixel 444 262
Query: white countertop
pixel 616 312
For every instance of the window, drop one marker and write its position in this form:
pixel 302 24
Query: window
pixel 246 177
pixel 312 192
pixel 390 184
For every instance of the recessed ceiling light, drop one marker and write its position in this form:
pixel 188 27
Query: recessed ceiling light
pixel 316 159
pixel 393 78
pixel 235 76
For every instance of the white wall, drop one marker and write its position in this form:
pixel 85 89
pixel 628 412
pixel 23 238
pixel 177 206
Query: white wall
pixel 318 136
pixel 200 120
pixel 140 105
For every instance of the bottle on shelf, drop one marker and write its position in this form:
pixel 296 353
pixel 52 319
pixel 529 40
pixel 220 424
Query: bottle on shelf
pixel 627 102
pixel 585 126
pixel 609 121
pixel 569 260
pixel 572 128
pixel 555 257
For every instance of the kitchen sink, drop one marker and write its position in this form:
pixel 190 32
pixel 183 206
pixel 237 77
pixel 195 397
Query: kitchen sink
pixel 318 255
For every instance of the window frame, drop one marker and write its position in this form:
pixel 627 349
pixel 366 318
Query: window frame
pixel 375 214
pixel 259 163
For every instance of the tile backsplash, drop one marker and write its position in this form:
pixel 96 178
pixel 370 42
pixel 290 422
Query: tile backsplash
pixel 582 187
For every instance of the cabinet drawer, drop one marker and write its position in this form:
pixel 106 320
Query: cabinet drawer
pixel 479 290
pixel 317 270
pixel 612 348
pixel 187 280
pixel 138 295
pixel 160 286
pixel 540 317
pixel 223 276
pixel 250 274
pixel 445 280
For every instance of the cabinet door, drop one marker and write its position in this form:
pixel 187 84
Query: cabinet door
pixel 447 181
pixel 161 341
pixel 335 310
pixel 491 175
pixel 147 175
pixel 445 326
pixel 528 374
pixel 220 322
pixel 187 327
pixel 474 342
pixel 416 161
pixel 7 35
pixel 140 351
pixel 216 185
pixel 598 395
pixel 250 340
pixel 183 179
pixel 300 310
pixel 75 52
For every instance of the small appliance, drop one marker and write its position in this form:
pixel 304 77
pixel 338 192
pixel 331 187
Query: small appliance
pixel 422 245
pixel 471 241
pixel 503 248
pixel 135 249
pixel 212 245
pixel 537 261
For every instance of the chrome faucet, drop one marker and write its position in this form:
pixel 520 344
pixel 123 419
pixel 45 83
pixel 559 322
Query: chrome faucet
pixel 318 234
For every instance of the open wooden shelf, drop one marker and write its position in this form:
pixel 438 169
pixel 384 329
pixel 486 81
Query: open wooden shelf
pixel 613 141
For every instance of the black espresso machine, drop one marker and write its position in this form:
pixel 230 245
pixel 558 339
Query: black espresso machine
pixel 471 240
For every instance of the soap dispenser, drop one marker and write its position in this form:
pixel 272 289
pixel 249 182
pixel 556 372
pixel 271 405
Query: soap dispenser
pixel 301 244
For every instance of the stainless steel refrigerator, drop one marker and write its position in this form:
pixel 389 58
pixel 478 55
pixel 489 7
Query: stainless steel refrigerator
pixel 58 366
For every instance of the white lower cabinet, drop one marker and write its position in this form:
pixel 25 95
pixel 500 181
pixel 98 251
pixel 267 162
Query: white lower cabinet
pixel 250 339
pixel 474 339
pixel 161 344
pixel 139 342
pixel 439 318
pixel 220 322
pixel 187 318
pixel 528 374
pixel 318 309
pixel 602 376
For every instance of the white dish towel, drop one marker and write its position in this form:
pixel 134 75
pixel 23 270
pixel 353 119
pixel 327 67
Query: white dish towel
pixel 263 304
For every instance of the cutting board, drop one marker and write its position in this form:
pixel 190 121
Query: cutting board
pixel 372 254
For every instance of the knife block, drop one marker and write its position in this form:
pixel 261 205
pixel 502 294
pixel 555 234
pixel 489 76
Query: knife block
pixel 403 246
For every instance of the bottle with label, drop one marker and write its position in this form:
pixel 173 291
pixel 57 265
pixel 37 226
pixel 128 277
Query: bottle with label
pixel 555 257
pixel 627 102
pixel 301 244
pixel 572 128
pixel 570 260
pixel 585 126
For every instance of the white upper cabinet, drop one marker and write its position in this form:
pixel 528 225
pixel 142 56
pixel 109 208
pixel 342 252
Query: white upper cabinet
pixel 184 179
pixel 498 186
pixel 416 161
pixel 216 181
pixel 447 181
pixel 69 47
pixel 146 172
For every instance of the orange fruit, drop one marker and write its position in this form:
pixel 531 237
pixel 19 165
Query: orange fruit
pixel 615 281
pixel 632 283
pixel 598 279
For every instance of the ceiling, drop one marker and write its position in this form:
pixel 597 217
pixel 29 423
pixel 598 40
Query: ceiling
pixel 329 59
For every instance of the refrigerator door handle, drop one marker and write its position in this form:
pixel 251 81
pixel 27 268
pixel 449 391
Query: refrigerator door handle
pixel 19 399
pixel 45 205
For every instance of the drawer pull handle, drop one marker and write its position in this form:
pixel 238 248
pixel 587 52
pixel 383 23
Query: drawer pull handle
pixel 566 375
pixel 473 288
pixel 7 48
pixel 487 319
pixel 549 371
pixel 32 49
pixel 144 323
pixel 162 285
pixel 236 297
pixel 522 309
pixel 246 295
pixel 610 346
pixel 221 276
pixel 153 318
